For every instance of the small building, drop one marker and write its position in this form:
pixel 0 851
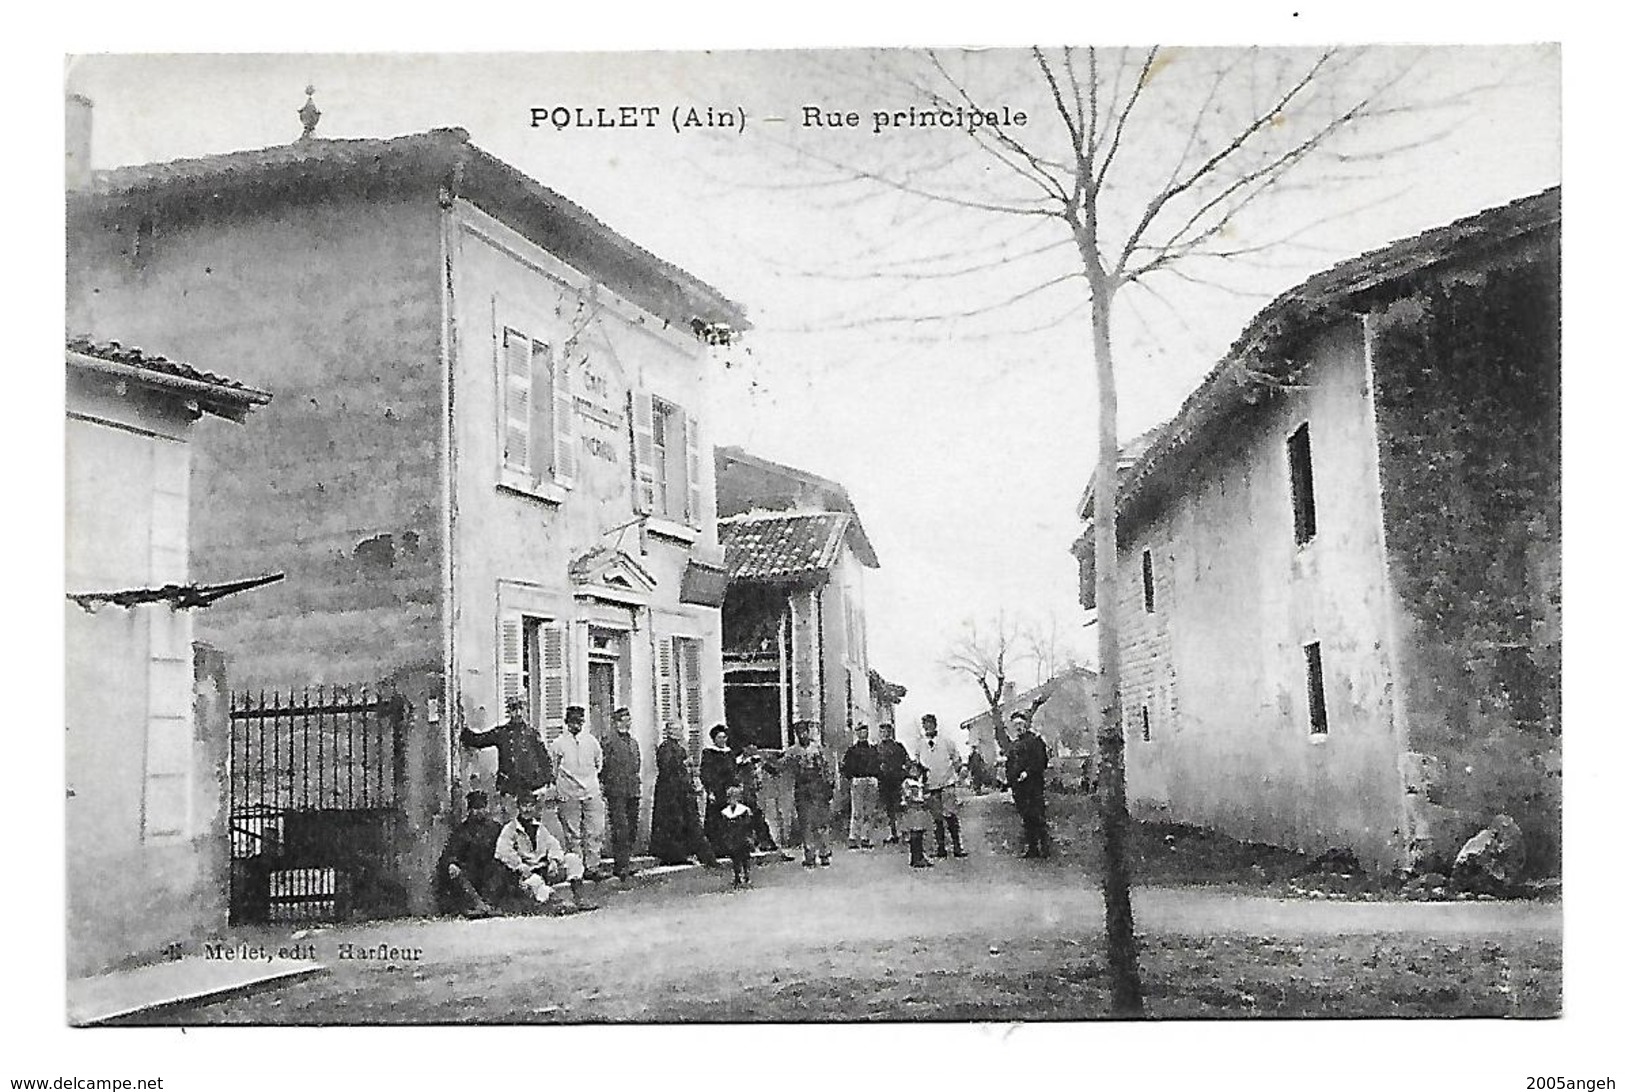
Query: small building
pixel 146 847
pixel 1339 592
pixel 1067 716
pixel 795 643
pixel 484 474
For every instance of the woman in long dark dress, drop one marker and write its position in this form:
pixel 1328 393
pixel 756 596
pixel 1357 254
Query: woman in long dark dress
pixel 719 768
pixel 674 826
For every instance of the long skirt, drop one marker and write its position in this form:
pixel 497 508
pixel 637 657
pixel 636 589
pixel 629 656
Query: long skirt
pixel 674 826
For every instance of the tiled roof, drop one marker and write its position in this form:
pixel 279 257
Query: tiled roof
pixel 1261 358
pixel 782 546
pixel 443 158
pixel 746 482
pixel 134 357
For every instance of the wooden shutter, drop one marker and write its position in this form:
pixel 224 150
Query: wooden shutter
pixel 555 678
pixel 690 650
pixel 564 425
pixel 667 688
pixel 643 445
pixel 510 659
pixel 516 399
pixel 691 438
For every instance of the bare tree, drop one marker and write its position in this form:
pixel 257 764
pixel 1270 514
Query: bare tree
pixel 1046 647
pixel 1142 166
pixel 985 654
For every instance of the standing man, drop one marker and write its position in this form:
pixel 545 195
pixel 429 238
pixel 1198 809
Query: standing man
pixel 861 765
pixel 979 779
pixel 523 765
pixel 1029 758
pixel 577 761
pixel 894 764
pixel 623 789
pixel 814 788
pixel 942 765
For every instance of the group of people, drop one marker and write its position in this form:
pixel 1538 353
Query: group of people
pixel 592 786
pixel 588 785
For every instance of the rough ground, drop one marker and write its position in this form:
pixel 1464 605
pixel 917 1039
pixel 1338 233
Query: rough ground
pixel 992 937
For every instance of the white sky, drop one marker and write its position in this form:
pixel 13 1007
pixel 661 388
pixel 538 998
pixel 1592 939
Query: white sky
pixel 964 444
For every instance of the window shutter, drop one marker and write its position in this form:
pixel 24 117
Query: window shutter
pixel 516 391
pixel 554 678
pixel 691 435
pixel 691 694
pixel 511 658
pixel 643 446
pixel 564 422
pixel 667 690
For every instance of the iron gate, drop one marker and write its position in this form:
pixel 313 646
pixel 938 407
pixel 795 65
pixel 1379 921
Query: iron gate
pixel 315 779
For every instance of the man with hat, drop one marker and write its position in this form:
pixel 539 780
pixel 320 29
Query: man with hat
pixel 468 875
pixel 534 858
pixel 523 765
pixel 577 761
pixel 814 783
pixel 861 766
pixel 940 757
pixel 895 762
pixel 1029 759
pixel 622 776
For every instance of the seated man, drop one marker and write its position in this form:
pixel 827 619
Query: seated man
pixel 534 858
pixel 468 875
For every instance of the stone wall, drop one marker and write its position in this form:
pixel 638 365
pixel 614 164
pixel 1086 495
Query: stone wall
pixel 1468 412
pixel 334 307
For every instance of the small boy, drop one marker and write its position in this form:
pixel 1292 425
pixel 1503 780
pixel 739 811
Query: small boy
pixel 737 820
pixel 916 817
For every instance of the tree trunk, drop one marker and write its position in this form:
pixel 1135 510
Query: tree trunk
pixel 1121 955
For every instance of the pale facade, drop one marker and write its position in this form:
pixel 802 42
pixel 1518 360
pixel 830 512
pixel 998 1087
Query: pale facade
pixel 145 860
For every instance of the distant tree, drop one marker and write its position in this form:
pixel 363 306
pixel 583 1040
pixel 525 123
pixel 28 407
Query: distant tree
pixel 985 653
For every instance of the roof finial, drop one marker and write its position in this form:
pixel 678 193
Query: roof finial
pixel 308 114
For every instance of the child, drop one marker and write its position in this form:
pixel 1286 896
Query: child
pixel 916 819
pixel 737 820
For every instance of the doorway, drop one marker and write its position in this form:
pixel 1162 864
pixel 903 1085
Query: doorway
pixel 605 679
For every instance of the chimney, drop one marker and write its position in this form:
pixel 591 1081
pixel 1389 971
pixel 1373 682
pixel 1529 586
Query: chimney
pixel 1007 693
pixel 76 150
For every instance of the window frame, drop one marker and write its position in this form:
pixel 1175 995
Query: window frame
pixel 1315 680
pixel 1301 480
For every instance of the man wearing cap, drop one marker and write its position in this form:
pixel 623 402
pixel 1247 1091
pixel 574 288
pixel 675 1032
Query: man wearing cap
pixel 577 761
pixel 894 766
pixel 534 858
pixel 623 790
pixel 523 765
pixel 468 875
pixel 861 766
pixel 814 785
pixel 1029 759
pixel 940 757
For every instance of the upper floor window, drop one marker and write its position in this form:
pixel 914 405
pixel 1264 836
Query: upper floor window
pixel 1303 484
pixel 666 464
pixel 537 423
pixel 1148 587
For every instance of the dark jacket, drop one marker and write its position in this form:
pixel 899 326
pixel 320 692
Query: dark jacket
pixel 861 760
pixel 892 758
pixel 472 847
pixel 718 770
pixel 622 774
pixel 1027 755
pixel 523 764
